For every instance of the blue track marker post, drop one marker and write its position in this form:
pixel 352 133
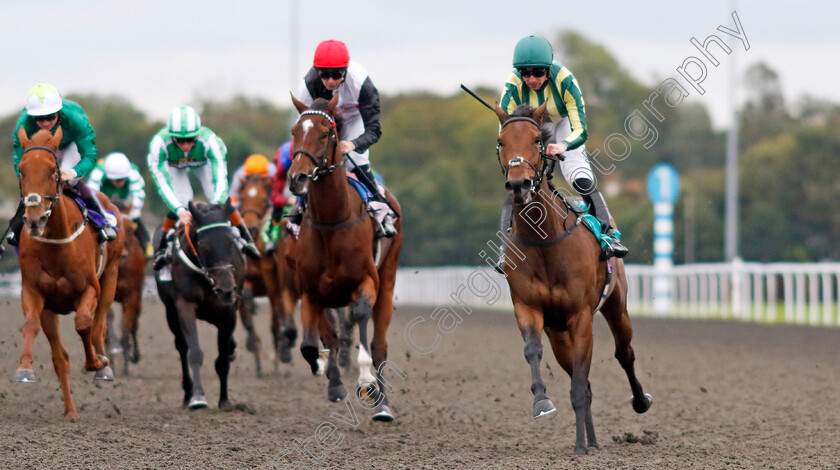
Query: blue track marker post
pixel 663 187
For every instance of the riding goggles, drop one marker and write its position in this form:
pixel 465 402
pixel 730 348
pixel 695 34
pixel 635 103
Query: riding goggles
pixel 536 72
pixel 335 74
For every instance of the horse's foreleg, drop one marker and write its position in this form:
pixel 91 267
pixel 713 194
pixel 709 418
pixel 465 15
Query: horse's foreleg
pixel 104 299
pixel 383 312
pixel 336 390
pixel 33 304
pixel 530 322
pixel 573 350
pixel 130 322
pixel 61 360
pixel 224 341
pixel 181 346
pixel 84 322
pixel 188 319
pixel 310 313
pixel 618 319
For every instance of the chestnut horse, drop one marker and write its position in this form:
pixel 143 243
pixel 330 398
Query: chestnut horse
pixel 270 276
pixel 334 257
pixel 132 276
pixel 63 266
pixel 556 278
pixel 203 282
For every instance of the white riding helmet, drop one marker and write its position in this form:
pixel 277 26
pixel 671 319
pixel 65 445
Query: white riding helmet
pixel 117 166
pixel 43 100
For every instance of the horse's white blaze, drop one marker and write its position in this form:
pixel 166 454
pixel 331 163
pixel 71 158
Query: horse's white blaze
pixel 365 363
pixel 306 125
pixel 252 192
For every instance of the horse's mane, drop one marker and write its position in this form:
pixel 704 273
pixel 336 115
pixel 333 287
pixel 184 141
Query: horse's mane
pixel 320 104
pixel 524 110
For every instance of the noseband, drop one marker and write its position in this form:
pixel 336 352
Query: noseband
pixel 34 199
pixel 547 160
pixel 321 167
pixel 196 265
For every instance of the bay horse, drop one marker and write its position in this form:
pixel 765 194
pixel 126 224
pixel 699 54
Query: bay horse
pixel 270 276
pixel 205 283
pixel 557 280
pixel 334 254
pixel 63 266
pixel 129 292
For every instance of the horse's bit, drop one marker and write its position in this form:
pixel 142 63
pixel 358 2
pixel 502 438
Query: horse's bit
pixel 321 167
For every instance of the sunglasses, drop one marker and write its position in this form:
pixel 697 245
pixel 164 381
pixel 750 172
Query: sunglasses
pixel 335 74
pixel 184 140
pixel 536 72
pixel 48 117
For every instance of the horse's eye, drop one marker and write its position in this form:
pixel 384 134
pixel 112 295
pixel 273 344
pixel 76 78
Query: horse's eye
pixel 499 142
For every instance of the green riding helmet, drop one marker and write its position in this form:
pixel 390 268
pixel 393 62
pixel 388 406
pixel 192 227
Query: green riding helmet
pixel 533 51
pixel 184 122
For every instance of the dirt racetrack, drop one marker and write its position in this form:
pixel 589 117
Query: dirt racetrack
pixel 726 395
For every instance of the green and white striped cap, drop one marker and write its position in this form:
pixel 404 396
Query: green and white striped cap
pixel 184 122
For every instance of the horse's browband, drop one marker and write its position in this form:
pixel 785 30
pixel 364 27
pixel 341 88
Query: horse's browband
pixel 319 113
pixel 520 119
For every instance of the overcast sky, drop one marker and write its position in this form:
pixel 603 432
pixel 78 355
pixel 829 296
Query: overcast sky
pixel 161 54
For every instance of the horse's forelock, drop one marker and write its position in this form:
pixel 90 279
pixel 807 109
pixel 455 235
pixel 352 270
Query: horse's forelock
pixel 320 104
pixel 523 110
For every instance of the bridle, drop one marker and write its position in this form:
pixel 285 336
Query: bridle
pixel 34 199
pixel 321 167
pixel 547 161
pixel 258 212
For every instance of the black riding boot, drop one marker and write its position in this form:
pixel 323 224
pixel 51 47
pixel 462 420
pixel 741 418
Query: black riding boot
pixel 596 201
pixel 106 232
pixel 365 175
pixel 15 226
pixel 249 247
pixel 166 244
pixel 504 227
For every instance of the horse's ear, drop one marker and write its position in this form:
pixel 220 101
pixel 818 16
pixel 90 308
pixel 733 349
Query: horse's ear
pixel 298 103
pixel 229 209
pixel 333 103
pixel 23 138
pixel 503 116
pixel 191 207
pixel 56 139
pixel 539 114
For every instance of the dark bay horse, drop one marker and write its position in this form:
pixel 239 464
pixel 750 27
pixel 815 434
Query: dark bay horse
pixel 556 278
pixel 270 276
pixel 63 266
pixel 129 293
pixel 205 283
pixel 334 259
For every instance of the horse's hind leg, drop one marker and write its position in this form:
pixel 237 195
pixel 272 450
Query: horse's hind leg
pixel 383 312
pixel 573 351
pixel 195 356
pixel 61 360
pixel 336 390
pixel 615 312
pixel 33 304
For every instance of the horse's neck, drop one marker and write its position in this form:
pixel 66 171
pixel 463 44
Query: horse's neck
pixel 64 220
pixel 540 220
pixel 329 200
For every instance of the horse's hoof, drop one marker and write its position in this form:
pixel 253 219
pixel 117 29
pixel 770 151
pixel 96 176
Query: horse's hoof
pixel 337 393
pixel 285 354
pixel 135 358
pixel 640 406
pixel 366 392
pixel 383 414
pixel 116 349
pixel 198 402
pixel 252 345
pixel 105 373
pixel 71 416
pixel 225 405
pixel 581 451
pixel 543 407
pixel 25 376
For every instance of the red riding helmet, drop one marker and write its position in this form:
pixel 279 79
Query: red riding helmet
pixel 331 54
